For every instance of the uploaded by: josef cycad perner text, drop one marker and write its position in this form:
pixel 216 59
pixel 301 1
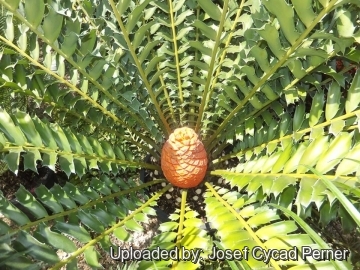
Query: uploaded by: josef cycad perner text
pixel 257 252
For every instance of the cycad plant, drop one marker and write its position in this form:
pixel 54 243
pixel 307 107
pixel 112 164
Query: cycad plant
pixel 263 96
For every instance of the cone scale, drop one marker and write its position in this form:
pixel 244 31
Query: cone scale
pixel 184 159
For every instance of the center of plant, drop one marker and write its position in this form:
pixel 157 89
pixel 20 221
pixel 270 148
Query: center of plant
pixel 183 158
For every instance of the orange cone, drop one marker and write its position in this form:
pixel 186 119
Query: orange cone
pixel 183 158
